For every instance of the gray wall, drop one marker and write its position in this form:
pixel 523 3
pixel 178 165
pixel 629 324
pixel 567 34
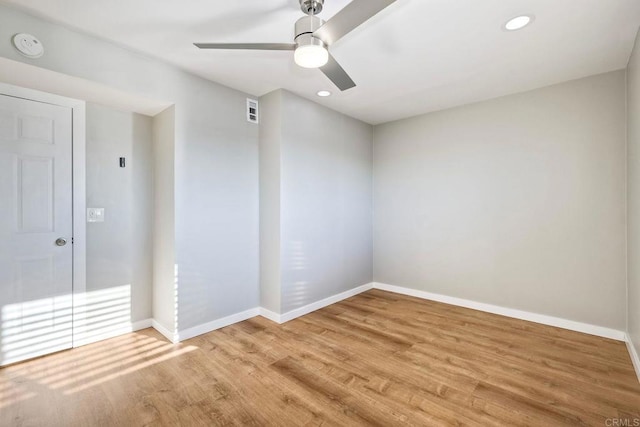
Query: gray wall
pixel 270 165
pixel 633 195
pixel 164 256
pixel 325 199
pixel 217 208
pixel 518 201
pixel 119 250
pixel 216 234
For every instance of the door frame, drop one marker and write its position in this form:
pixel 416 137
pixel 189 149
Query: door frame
pixel 78 143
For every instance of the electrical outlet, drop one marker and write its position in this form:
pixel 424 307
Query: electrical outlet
pixel 95 214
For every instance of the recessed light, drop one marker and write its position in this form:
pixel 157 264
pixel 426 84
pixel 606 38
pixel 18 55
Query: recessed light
pixel 324 93
pixel 518 23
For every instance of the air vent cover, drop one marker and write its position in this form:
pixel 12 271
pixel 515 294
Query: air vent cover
pixel 252 111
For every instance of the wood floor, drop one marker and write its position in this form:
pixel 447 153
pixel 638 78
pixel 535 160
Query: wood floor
pixel 374 359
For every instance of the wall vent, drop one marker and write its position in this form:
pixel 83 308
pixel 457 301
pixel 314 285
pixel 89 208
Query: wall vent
pixel 252 111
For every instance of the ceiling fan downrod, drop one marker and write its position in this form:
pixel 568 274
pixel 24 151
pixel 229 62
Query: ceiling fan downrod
pixel 311 7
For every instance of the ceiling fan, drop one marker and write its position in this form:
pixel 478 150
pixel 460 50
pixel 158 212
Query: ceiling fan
pixel 313 36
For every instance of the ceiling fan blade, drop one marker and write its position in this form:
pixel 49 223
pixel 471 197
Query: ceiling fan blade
pixel 337 74
pixel 348 19
pixel 247 46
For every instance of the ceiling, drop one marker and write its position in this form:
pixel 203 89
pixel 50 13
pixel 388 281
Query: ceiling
pixel 414 57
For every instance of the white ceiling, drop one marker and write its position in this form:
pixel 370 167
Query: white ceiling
pixel 414 57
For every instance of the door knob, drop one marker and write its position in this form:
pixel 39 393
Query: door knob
pixel 61 241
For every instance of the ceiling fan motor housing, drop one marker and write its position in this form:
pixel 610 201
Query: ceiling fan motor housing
pixel 312 7
pixel 305 27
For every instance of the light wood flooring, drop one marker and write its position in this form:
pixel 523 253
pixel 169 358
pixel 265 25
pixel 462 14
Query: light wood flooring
pixel 375 359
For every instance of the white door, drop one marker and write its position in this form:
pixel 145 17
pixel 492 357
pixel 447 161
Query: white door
pixel 36 304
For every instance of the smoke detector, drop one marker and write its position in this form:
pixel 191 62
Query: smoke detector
pixel 28 45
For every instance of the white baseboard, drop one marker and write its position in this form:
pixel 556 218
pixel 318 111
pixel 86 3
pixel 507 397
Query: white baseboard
pixel 143 324
pixel 509 312
pixel 166 332
pixel 217 324
pixel 301 311
pixel 634 356
pixel 176 337
pixel 81 337
pixel 271 315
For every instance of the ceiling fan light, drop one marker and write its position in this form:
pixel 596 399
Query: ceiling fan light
pixel 311 56
pixel 518 23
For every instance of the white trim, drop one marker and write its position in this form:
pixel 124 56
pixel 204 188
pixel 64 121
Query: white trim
pixel 79 200
pixel 290 315
pixel 634 355
pixel 271 315
pixel 119 330
pixel 176 337
pixel 142 324
pixel 216 324
pixel 509 312
pixel 168 334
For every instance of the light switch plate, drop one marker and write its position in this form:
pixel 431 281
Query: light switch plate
pixel 95 214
